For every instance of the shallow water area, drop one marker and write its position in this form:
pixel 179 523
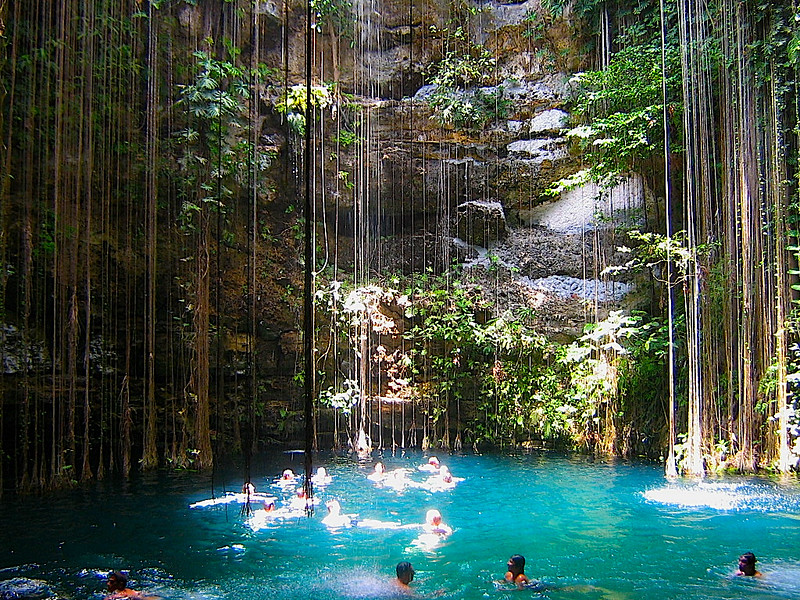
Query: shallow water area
pixel 588 529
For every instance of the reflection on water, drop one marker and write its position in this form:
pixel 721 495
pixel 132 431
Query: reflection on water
pixel 588 529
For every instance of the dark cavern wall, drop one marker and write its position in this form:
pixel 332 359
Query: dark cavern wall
pixel 538 224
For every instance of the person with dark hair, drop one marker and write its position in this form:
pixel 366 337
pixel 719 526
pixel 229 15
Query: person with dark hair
pixel 516 571
pixel 405 574
pixel 117 585
pixel 747 565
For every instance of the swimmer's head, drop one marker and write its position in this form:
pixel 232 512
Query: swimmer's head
pixel 334 507
pixel 269 505
pixel 433 517
pixel 516 564
pixel 379 468
pixel 747 563
pixel 288 474
pixel 117 580
pixel 433 461
pixel 405 572
pixel 321 472
pixel 301 492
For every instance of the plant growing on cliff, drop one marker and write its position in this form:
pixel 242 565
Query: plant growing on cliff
pixel 216 155
pixel 620 112
pixel 461 97
pixel 294 104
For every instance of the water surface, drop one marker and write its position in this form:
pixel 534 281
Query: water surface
pixel 588 530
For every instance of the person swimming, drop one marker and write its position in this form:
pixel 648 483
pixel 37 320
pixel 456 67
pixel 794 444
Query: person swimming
pixel 747 566
pixel 378 473
pixel 335 518
pixel 117 585
pixel 405 574
pixel 321 477
pixel 431 466
pixel 434 524
pixel 516 571
pixel 301 501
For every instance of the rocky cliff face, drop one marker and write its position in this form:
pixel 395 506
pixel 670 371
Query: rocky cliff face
pixel 438 193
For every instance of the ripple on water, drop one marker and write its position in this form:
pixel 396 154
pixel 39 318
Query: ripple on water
pixel 761 497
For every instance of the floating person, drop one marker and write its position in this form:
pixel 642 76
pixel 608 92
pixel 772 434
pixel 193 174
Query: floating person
pixel 248 488
pixel 405 575
pixel 321 477
pixel 117 585
pixel 516 571
pixel 301 502
pixel 432 466
pixel 442 481
pixel 398 480
pixel 747 566
pixel 433 524
pixel 286 480
pixel 379 472
pixel 269 515
pixel 434 531
pixel 335 519
pixel 230 497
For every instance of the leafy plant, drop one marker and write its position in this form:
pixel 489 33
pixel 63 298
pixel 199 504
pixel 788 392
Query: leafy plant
pixel 620 112
pixel 294 104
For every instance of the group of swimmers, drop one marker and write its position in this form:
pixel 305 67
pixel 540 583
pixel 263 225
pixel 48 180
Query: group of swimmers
pixel 440 478
pixel 117 582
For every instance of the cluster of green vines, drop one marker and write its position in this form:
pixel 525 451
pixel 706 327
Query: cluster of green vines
pixel 464 96
pixel 217 158
pixel 495 381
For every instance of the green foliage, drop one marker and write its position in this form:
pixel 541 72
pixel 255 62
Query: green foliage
pixel 460 98
pixel 343 400
pixel 651 251
pixel 469 109
pixel 294 104
pixel 217 156
pixel 621 111
pixel 335 13
pixel 345 138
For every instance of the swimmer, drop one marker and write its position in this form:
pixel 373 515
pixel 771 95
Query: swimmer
pixel 445 475
pixel 321 477
pixel 248 488
pixel 516 571
pixel 379 473
pixel 117 585
pixel 433 523
pixel 287 479
pixel 747 565
pixel 301 501
pixel 405 575
pixel 335 518
pixel 398 479
pixel 432 465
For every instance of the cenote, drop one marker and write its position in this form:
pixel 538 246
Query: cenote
pixel 588 529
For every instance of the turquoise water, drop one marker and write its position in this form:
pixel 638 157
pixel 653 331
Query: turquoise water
pixel 588 529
